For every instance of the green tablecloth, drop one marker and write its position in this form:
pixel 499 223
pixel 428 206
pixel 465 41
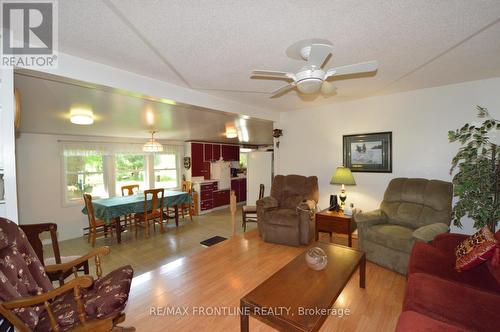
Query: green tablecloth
pixel 109 208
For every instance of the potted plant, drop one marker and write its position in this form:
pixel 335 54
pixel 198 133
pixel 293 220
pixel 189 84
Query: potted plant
pixel 476 182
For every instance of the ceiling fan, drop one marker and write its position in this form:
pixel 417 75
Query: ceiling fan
pixel 312 78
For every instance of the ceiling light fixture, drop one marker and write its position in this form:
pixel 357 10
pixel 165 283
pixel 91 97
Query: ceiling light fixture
pixel 231 132
pixel 81 116
pixel 152 145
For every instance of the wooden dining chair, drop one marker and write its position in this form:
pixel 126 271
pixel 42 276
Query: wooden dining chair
pixel 33 232
pixel 187 208
pixel 96 227
pixel 249 212
pixel 129 190
pixel 154 214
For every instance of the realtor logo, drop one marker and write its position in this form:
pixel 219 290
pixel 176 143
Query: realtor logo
pixel 29 33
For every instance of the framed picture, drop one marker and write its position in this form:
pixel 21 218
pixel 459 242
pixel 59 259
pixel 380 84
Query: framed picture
pixel 368 152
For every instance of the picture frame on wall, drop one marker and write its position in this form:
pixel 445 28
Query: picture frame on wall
pixel 370 152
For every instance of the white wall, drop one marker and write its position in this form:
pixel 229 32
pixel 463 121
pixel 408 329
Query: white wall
pixel 419 121
pixel 8 208
pixel 39 182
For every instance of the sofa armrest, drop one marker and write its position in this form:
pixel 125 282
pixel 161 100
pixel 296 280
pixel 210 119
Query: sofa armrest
pixel 427 233
pixel 447 242
pixel 370 218
pixel 267 203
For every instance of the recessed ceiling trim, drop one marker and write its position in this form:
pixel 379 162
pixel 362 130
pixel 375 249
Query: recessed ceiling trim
pixel 139 34
pixel 449 49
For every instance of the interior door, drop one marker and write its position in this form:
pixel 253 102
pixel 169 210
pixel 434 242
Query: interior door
pixel 260 170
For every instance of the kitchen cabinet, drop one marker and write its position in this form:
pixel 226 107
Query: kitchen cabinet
pixel 197 167
pixel 216 154
pixel 208 152
pixel 207 195
pixel 231 152
pixel 221 198
pixel 239 186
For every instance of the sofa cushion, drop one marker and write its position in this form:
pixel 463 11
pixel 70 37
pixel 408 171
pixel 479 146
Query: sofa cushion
pixel 475 249
pixel 453 303
pixel 426 258
pixel 283 217
pixel 391 236
pixel 107 297
pixel 412 321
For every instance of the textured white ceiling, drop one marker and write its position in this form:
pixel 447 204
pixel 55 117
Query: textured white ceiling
pixel 213 45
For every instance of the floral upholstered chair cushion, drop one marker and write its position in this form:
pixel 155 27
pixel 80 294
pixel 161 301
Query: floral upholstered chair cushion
pixel 22 275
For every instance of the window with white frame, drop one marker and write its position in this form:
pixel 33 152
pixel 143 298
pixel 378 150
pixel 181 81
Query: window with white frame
pixel 83 174
pixel 101 169
pixel 166 170
pixel 130 169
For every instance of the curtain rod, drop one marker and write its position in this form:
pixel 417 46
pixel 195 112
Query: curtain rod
pixel 107 142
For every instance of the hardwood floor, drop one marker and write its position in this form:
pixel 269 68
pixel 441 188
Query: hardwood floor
pixel 174 271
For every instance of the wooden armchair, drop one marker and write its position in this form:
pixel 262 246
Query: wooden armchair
pixel 33 232
pixel 29 301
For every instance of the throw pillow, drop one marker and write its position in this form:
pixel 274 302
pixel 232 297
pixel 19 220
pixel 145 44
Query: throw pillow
pixel 475 249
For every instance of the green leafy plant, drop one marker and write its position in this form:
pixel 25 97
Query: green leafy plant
pixel 476 182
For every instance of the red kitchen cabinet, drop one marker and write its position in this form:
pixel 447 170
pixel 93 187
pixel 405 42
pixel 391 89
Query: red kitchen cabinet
pixel 208 152
pixel 216 152
pixel 235 186
pixel 221 198
pixel 231 152
pixel 243 190
pixel 197 167
pixel 239 186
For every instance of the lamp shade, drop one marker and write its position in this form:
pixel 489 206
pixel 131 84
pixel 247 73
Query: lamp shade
pixel 342 175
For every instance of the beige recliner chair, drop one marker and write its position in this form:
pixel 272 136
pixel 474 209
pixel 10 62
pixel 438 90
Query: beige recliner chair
pixel 287 216
pixel 412 209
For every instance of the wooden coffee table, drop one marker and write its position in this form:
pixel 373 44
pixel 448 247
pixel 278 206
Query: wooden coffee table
pixel 283 298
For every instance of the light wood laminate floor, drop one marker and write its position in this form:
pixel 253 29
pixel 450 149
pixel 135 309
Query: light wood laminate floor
pixel 173 270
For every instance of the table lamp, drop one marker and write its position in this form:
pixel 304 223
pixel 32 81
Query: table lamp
pixel 344 177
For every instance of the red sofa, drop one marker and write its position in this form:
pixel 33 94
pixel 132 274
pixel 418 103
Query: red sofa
pixel 438 298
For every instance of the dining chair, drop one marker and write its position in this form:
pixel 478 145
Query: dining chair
pixel 129 190
pixel 154 213
pixel 33 232
pixel 249 212
pixel 96 227
pixel 187 208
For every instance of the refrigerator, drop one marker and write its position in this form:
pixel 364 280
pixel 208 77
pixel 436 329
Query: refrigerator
pixel 259 171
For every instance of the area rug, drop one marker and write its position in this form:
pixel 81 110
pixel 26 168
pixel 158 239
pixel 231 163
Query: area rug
pixel 212 241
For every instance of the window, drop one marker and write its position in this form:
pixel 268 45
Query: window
pixel 84 174
pixel 243 160
pixel 166 172
pixel 130 169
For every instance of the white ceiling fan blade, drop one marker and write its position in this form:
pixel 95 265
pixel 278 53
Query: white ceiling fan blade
pixel 318 54
pixel 327 88
pixel 282 90
pixel 362 67
pixel 273 74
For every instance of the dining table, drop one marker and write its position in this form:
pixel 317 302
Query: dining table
pixel 111 209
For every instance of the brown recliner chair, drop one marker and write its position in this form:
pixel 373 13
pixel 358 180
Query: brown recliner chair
pixel 30 302
pixel 412 209
pixel 287 216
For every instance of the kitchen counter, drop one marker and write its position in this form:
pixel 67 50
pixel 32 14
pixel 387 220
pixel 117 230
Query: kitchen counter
pixel 238 177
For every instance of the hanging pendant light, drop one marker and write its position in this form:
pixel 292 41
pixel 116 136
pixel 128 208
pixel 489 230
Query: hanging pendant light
pixel 152 145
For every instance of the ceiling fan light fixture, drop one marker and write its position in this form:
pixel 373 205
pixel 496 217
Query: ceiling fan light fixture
pixel 309 85
pixel 152 145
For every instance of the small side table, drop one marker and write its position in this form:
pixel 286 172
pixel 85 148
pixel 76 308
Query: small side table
pixel 335 222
